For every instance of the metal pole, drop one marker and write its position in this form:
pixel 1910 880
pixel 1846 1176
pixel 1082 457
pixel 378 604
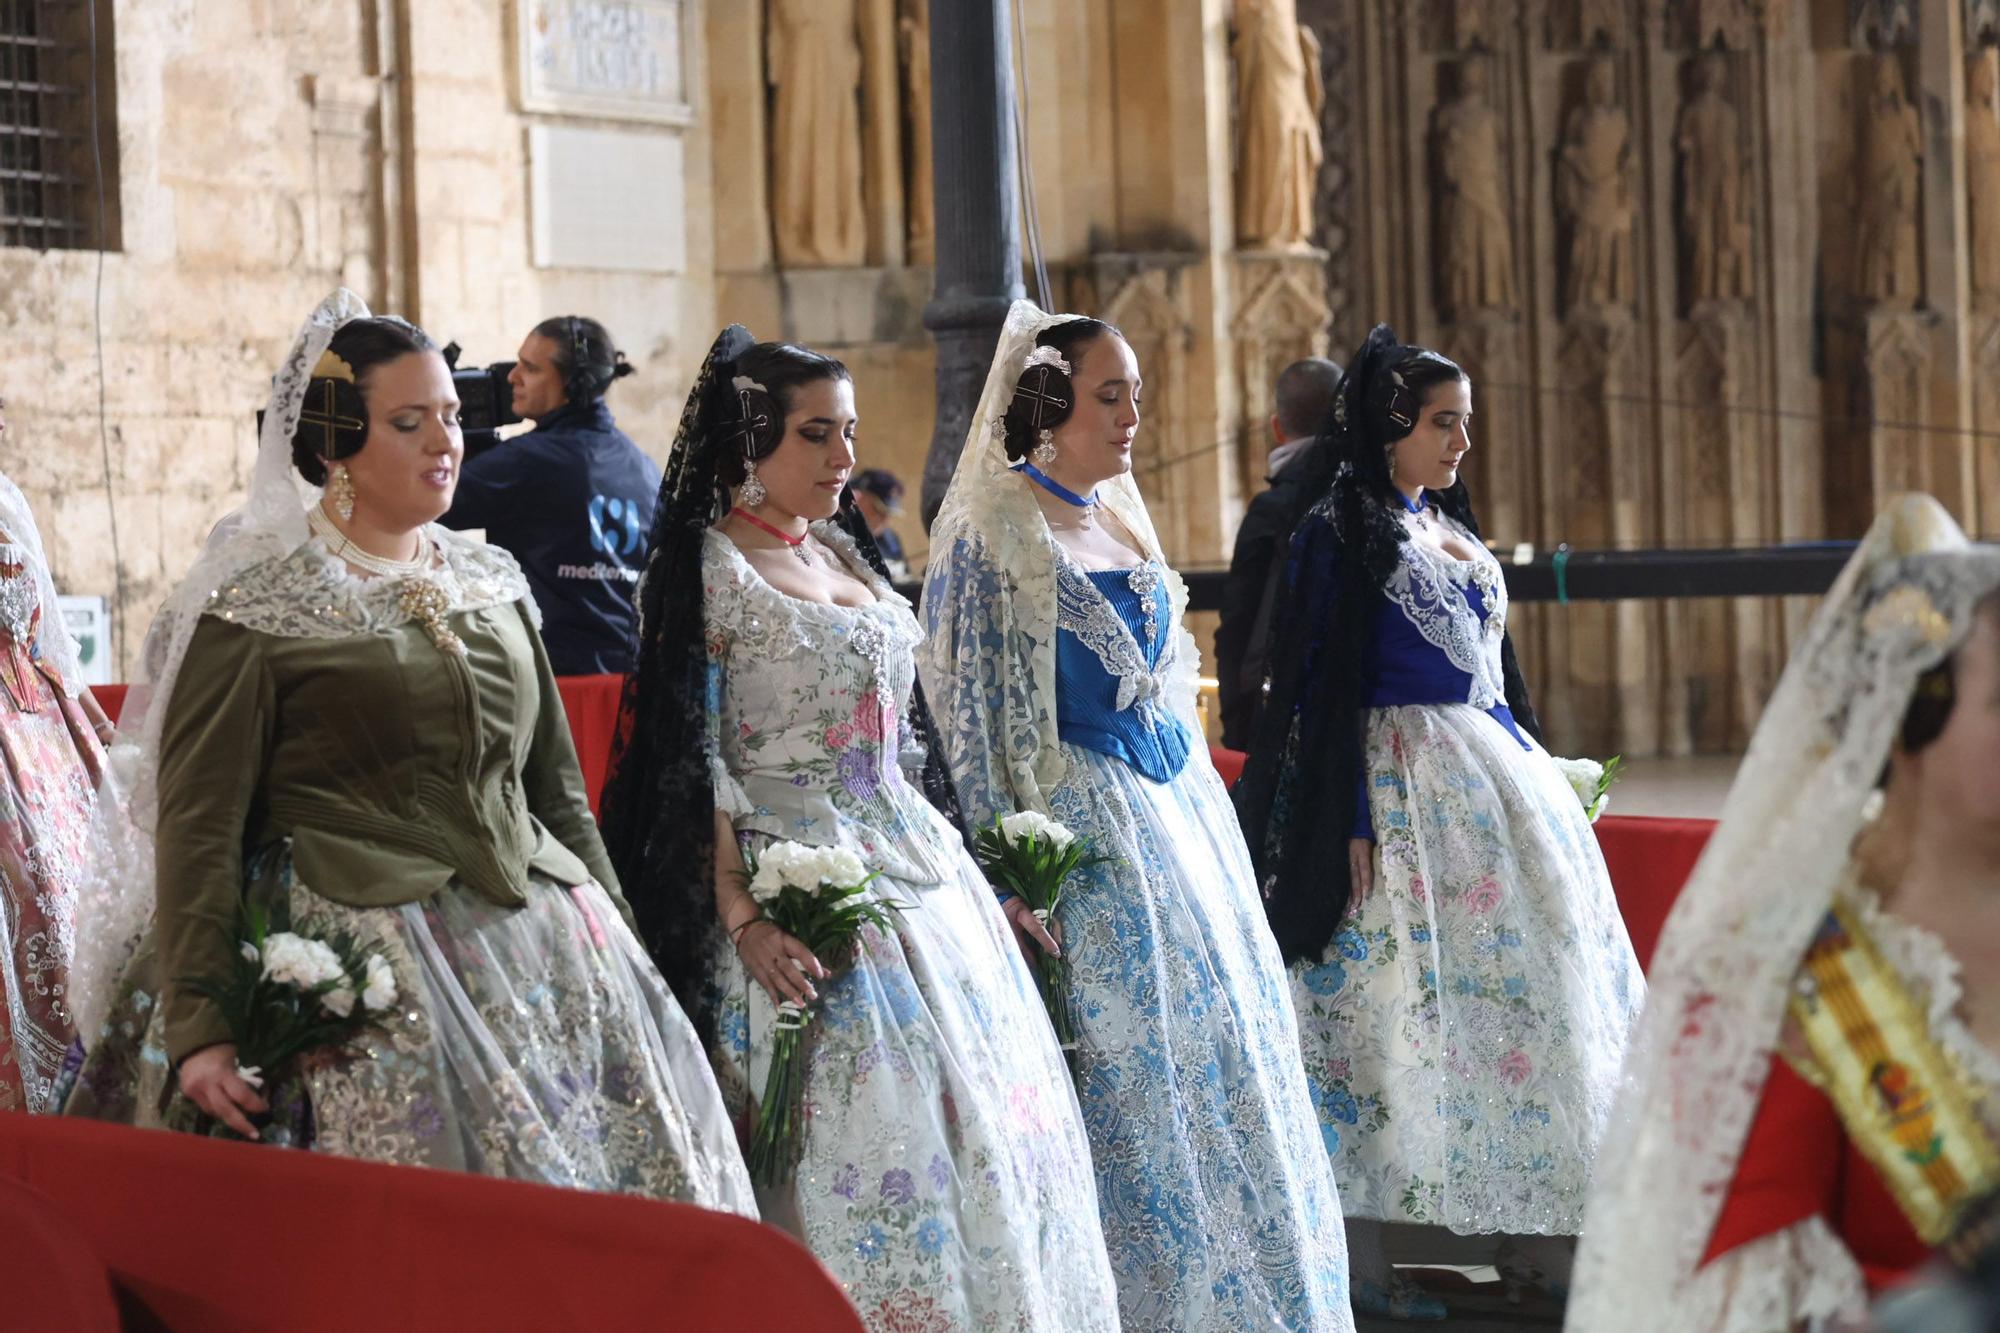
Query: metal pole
pixel 977 214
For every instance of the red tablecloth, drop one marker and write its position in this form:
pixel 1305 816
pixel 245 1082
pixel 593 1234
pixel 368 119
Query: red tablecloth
pixel 213 1237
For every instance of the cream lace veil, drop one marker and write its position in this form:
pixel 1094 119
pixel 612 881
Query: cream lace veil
pixel 989 523
pixel 1719 981
pixel 58 648
pixel 115 904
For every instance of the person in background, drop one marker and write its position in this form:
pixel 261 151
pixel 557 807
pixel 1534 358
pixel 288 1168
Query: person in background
pixel 1300 469
pixel 878 494
pixel 572 500
pixel 52 738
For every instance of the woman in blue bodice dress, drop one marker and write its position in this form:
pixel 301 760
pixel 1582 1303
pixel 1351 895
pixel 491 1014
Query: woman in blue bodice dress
pixel 1463 979
pixel 1065 685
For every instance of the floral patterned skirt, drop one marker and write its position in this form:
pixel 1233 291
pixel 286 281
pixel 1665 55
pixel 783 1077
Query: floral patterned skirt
pixel 1464 1033
pixel 1219 1207
pixel 533 1043
pixel 945 1177
pixel 50 763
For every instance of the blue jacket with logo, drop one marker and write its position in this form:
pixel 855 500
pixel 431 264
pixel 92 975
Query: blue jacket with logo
pixel 573 501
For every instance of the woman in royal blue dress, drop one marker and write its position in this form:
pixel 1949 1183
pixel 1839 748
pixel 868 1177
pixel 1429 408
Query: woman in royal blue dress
pixel 1463 979
pixel 1065 685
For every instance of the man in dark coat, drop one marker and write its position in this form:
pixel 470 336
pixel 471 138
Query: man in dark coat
pixel 1299 474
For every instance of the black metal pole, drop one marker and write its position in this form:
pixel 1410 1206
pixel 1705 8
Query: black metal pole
pixel 977 216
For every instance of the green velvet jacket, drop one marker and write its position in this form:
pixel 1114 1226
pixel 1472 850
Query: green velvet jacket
pixel 393 767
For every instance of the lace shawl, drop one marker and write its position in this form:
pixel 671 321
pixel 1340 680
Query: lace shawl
pixel 57 647
pixel 991 605
pixel 1722 973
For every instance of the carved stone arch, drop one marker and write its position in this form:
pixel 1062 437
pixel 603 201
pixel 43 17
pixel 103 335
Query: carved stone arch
pixel 1898 394
pixel 1283 320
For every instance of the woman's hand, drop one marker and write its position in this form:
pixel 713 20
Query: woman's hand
pixel 1033 937
pixel 210 1081
pixel 1360 872
pixel 778 962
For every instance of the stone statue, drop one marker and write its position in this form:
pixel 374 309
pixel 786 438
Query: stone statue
pixel 1475 248
pixel 1889 183
pixel 914 27
pixel 1594 194
pixel 1982 175
pixel 814 60
pixel 1277 124
pixel 1715 237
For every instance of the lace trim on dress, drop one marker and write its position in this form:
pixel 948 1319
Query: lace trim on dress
pixel 1428 589
pixel 1800 1275
pixel 1085 612
pixel 309 594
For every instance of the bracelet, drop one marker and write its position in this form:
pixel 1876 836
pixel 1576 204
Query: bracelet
pixel 736 935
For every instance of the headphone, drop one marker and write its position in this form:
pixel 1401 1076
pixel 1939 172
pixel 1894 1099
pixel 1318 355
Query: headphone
pixel 583 382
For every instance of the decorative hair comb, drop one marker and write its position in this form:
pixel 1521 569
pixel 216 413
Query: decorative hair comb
pixel 331 366
pixel 1046 356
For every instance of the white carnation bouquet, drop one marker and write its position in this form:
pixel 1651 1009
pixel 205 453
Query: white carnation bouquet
pixel 288 996
pixel 1591 781
pixel 813 894
pixel 1032 857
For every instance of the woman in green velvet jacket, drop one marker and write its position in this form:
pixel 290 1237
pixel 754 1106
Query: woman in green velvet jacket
pixel 363 737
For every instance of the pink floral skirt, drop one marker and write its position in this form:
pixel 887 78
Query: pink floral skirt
pixel 1464 1032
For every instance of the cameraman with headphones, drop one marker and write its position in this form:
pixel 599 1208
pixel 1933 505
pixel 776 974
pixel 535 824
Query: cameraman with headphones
pixel 572 499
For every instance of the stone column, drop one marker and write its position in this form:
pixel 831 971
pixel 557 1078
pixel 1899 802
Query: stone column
pixel 977 193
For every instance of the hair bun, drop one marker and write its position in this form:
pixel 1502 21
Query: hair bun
pixel 620 367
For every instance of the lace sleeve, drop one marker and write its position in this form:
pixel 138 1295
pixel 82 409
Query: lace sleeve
pixel 1800 1278
pixel 976 671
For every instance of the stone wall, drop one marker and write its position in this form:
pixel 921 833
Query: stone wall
pixel 269 150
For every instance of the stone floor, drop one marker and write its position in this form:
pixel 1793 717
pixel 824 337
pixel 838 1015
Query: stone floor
pixel 1693 787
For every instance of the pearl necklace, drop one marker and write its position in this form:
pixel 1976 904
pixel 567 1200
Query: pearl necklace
pixel 344 549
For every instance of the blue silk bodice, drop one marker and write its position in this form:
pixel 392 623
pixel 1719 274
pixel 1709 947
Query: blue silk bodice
pixel 1112 630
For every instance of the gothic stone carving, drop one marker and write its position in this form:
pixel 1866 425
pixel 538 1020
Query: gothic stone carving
pixel 814 59
pixel 1475 247
pixel 1594 195
pixel 1277 125
pixel 1888 188
pixel 1715 237
pixel 914 29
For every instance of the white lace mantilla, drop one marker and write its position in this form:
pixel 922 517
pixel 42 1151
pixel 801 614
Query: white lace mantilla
pixel 311 594
pixel 1428 587
pixel 1085 612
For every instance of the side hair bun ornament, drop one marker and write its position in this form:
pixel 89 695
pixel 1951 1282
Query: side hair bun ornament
pixel 332 366
pixel 1046 356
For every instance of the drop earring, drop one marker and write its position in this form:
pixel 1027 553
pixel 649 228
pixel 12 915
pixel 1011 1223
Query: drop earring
pixel 1045 449
pixel 340 487
pixel 752 492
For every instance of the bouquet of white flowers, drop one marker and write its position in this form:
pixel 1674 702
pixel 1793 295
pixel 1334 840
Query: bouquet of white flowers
pixel 1032 857
pixel 288 995
pixel 1591 781
pixel 814 895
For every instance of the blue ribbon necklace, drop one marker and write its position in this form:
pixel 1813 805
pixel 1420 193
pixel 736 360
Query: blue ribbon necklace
pixel 1088 504
pixel 1416 506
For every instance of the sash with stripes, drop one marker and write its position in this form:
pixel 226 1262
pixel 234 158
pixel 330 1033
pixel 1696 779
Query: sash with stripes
pixel 1900 1095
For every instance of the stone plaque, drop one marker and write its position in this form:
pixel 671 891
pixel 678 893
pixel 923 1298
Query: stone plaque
pixel 620 58
pixel 606 199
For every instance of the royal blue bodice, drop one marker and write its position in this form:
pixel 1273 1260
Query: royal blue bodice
pixel 1112 630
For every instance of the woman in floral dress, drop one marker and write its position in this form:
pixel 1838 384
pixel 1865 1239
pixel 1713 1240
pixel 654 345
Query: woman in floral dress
pixel 51 757
pixel 944 1177
pixel 1066 687
pixel 1464 982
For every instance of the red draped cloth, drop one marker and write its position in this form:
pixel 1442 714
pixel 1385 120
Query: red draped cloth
pixel 213 1237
